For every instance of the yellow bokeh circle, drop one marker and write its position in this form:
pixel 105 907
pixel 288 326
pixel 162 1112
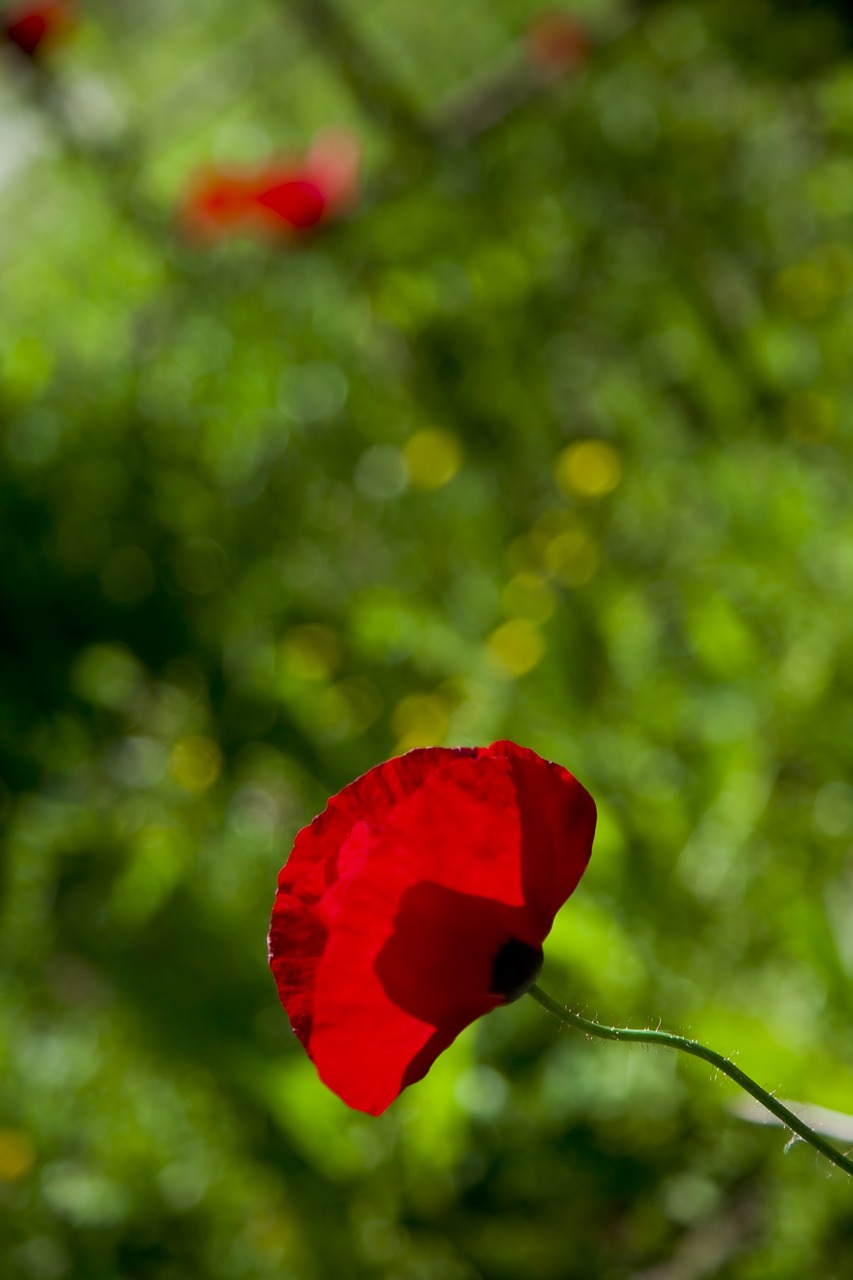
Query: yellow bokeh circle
pixel 589 468
pixel 432 457
pixel 194 763
pixel 516 647
pixel 17 1155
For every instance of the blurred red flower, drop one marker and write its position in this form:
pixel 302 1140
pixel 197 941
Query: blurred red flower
pixel 556 43
pixel 419 901
pixel 33 27
pixel 282 198
pixel 217 204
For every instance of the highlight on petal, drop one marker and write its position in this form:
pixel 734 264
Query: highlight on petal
pixel 417 902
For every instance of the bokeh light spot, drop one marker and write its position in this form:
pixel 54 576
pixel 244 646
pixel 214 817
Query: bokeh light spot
pixel 17 1155
pixel 433 457
pixel 107 676
pixel 419 720
pixel 311 652
pixel 590 468
pixel 516 647
pixel 805 288
pixel 573 558
pixel 833 809
pixel 195 763
pixel 381 472
pixel 312 392
pixel 528 596
pixel 82 1197
pixel 810 416
pixel 482 1092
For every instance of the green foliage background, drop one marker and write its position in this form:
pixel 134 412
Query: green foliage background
pixel 236 573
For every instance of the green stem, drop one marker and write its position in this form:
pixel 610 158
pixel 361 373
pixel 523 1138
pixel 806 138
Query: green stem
pixel 793 1122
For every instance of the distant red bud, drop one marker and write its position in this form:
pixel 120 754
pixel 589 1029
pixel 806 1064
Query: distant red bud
pixel 556 43
pixel 283 198
pixel 298 202
pixel 32 27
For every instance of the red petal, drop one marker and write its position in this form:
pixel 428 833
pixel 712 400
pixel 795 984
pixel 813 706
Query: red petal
pixel 557 830
pixel 413 941
pixel 296 201
pixel 396 901
pixel 555 42
pixel 218 204
pixel 28 31
pixel 406 969
pixel 31 26
pixel 296 942
pixel 333 163
pixel 320 865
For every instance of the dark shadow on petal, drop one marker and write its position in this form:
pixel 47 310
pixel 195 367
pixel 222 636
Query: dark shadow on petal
pixel 438 963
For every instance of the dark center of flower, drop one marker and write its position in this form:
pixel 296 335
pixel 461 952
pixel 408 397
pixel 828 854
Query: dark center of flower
pixel 515 968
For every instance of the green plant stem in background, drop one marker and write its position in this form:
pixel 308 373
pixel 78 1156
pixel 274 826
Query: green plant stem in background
pixel 670 1041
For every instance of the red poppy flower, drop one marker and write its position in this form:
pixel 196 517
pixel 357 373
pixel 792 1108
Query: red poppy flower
pixel 417 902
pixel 293 200
pixel 283 198
pixel 556 43
pixel 219 202
pixel 31 27
pixel 294 197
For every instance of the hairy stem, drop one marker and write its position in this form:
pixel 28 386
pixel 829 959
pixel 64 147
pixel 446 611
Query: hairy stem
pixel 670 1041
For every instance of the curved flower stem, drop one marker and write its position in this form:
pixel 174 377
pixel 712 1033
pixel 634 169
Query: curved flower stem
pixel 696 1050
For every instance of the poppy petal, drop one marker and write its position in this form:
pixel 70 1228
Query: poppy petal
pixel 34 26
pixel 388 1001
pixel 556 43
pixel 413 905
pixel 297 201
pixel 333 163
pixel 28 32
pixel 296 941
pixel 557 817
pixel 322 861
